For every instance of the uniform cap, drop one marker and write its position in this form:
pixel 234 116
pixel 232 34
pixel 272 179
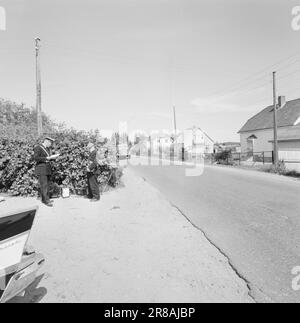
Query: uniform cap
pixel 50 139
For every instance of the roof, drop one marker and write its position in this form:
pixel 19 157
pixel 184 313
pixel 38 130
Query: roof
pixel 198 128
pixel 228 143
pixel 231 143
pixel 252 137
pixel 287 116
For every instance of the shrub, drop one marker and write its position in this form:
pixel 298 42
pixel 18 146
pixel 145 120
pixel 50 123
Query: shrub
pixel 279 169
pixel 292 173
pixel 18 136
pixel 224 157
pixel 17 166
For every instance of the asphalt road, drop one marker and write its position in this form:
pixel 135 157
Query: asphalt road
pixel 252 217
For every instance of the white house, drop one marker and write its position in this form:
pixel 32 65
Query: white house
pixel 196 140
pixel 257 134
pixel 161 143
pixel 289 147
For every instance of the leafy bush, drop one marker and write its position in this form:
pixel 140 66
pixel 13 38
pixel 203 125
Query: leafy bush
pixel 17 175
pixel 18 136
pixel 280 168
pixel 292 173
pixel 224 157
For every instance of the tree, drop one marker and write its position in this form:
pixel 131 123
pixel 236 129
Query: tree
pixel 19 122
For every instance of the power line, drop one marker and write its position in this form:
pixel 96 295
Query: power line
pixel 248 79
pixel 292 89
pixel 290 64
pixel 289 74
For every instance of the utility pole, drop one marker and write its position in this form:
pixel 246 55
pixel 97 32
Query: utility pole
pixel 276 158
pixel 38 88
pixel 175 125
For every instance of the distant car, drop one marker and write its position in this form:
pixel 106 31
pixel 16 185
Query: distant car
pixel 123 152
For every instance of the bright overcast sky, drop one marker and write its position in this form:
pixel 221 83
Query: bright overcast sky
pixel 105 61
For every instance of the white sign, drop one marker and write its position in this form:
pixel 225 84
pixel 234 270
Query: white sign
pixel 296 20
pixel 296 280
pixel 11 250
pixel 2 19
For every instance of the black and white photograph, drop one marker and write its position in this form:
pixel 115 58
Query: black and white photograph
pixel 149 154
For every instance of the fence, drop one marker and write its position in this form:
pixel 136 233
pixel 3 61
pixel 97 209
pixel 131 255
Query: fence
pixel 264 157
pixel 230 158
pixel 290 158
pixel 225 157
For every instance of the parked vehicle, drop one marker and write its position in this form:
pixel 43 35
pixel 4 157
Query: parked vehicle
pixel 18 265
pixel 123 152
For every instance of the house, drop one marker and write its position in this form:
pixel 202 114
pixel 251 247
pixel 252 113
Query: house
pixel 196 140
pixel 257 135
pixel 193 140
pixel 289 147
pixel 160 141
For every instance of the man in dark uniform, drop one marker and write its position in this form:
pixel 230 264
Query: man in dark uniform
pixel 92 173
pixel 42 157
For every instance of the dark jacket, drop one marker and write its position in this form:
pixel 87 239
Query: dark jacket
pixel 93 166
pixel 43 166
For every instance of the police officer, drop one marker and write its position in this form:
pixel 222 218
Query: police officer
pixel 42 157
pixel 92 173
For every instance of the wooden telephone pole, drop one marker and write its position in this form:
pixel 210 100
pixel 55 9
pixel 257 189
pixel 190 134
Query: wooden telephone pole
pixel 175 123
pixel 276 157
pixel 38 88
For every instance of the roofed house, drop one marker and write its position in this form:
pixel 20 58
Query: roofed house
pixel 257 134
pixel 161 141
pixel 196 140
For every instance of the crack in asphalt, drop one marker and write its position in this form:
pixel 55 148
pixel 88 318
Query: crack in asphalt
pixel 248 284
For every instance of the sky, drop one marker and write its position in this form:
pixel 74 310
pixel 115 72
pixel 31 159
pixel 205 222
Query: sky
pixel 106 61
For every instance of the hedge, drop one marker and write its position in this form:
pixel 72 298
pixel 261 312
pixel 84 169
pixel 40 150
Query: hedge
pixel 17 166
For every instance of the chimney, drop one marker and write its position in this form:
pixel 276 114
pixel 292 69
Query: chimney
pixel 281 101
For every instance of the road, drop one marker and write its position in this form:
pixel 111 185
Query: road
pixel 252 217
